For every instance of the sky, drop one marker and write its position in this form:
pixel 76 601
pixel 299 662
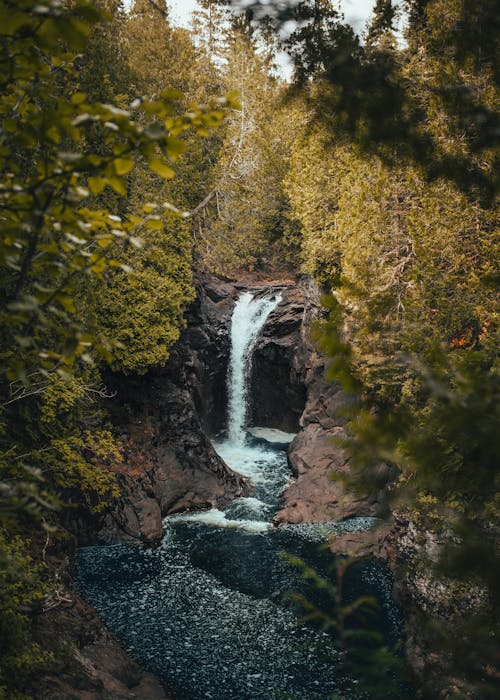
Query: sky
pixel 356 11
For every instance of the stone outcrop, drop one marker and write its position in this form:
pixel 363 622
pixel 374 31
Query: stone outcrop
pixel 277 376
pixel 162 419
pixel 88 662
pixel 316 454
pixel 98 670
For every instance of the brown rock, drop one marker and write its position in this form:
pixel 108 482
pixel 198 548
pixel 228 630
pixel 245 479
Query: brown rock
pixel 277 381
pixel 368 543
pixel 88 662
pixel 316 455
pixel 162 418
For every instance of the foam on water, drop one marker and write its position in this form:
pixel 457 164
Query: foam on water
pixel 217 518
pixel 249 461
pixel 322 532
pixel 271 435
pixel 249 508
pixel 267 468
pixel 207 639
pixel 208 612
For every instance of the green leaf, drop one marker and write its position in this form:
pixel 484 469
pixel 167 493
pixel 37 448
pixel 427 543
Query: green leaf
pixel 118 185
pixel 161 168
pixel 67 303
pixel 154 224
pixel 174 147
pixel 78 97
pixel 97 184
pixel 11 21
pixel 123 166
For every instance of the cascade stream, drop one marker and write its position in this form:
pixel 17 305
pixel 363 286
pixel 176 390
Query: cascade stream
pixel 209 611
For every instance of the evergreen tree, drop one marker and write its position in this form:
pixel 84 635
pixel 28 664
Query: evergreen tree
pixel 382 21
pixel 248 224
pixel 65 239
pixel 407 257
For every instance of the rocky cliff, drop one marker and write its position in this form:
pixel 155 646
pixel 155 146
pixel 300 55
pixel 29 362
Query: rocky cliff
pixel 290 392
pixel 162 419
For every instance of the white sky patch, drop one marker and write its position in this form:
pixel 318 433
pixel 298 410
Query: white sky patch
pixel 356 11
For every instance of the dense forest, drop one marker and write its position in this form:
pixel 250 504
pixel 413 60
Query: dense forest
pixel 126 172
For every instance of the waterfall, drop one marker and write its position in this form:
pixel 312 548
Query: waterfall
pixel 249 316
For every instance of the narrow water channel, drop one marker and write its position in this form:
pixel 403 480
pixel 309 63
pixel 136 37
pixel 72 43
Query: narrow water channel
pixel 210 611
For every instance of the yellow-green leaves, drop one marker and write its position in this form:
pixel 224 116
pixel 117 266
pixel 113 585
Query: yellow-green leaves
pixel 161 168
pixel 123 166
pixel 97 184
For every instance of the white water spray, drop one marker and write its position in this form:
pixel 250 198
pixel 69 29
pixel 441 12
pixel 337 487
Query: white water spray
pixel 249 316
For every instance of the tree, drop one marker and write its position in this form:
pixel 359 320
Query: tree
pixel 373 99
pixel 382 22
pixel 62 153
pixel 249 222
pixel 210 22
pixel 404 246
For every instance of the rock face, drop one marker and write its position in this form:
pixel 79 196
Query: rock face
pixel 163 419
pixel 88 662
pixel 440 612
pixel 99 670
pixel 277 376
pixel 316 454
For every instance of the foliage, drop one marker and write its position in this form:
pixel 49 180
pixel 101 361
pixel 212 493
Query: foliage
pixel 75 141
pixel 377 96
pixel 364 654
pixel 142 312
pixel 21 591
pixel 399 223
pixel 442 435
pixel 54 240
pixel 379 173
pixel 249 224
pixel 81 463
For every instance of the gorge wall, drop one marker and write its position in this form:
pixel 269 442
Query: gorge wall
pixel 165 416
pixel 290 393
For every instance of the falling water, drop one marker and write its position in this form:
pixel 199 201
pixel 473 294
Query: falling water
pixel 249 317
